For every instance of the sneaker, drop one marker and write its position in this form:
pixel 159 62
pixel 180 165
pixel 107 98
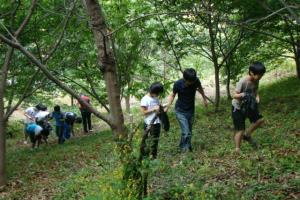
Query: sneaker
pixel 251 141
pixel 25 142
pixel 91 130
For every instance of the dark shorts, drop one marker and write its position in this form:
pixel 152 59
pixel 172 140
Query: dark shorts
pixel 239 120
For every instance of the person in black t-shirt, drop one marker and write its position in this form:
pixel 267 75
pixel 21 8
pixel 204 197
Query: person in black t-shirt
pixel 185 105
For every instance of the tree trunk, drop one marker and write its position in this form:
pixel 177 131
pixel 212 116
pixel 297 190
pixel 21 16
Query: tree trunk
pixel 228 81
pixel 72 100
pixel 217 82
pixel 107 64
pixel 2 147
pixel 297 60
pixel 127 102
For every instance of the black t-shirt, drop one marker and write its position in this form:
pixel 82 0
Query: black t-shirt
pixel 186 95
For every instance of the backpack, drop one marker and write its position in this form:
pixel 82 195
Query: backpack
pixel 248 104
pixel 164 119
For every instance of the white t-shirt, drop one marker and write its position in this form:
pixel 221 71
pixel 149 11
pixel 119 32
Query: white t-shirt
pixel 150 102
pixel 41 115
pixel 31 111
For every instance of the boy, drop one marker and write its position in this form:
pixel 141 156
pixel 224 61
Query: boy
pixel 59 123
pixel 247 88
pixel 70 119
pixel 150 107
pixel 29 119
pixel 185 105
pixel 34 132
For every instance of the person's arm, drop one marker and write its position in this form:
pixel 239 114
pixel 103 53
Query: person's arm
pixel 171 98
pixel 146 111
pixel 257 98
pixel 238 94
pixel 201 91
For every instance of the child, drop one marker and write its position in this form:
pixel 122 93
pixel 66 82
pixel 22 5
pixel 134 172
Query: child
pixel 246 93
pixel 59 123
pixel 70 119
pixel 34 132
pixel 185 105
pixel 30 118
pixel 150 107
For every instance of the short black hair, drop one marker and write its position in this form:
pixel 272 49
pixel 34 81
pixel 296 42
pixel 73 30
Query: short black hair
pixel 156 88
pixel 57 108
pixel 257 68
pixel 190 74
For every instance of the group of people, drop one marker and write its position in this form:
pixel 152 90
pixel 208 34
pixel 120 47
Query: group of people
pixel 244 105
pixel 38 128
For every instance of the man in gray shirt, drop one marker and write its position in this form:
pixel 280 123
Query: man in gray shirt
pixel 247 88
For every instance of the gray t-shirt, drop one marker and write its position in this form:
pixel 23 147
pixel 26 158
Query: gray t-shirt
pixel 242 86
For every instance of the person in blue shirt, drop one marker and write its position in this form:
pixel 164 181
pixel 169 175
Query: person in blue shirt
pixel 70 119
pixel 58 116
pixel 34 132
pixel 185 105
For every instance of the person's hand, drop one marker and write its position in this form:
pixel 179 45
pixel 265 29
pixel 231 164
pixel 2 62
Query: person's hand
pixel 242 95
pixel 257 99
pixel 156 109
pixel 166 107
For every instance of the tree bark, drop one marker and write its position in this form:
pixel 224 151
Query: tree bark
pixel 297 60
pixel 127 102
pixel 228 81
pixel 107 64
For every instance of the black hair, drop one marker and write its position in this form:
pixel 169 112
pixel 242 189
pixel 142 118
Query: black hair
pixel 156 88
pixel 57 108
pixel 257 68
pixel 41 107
pixel 190 74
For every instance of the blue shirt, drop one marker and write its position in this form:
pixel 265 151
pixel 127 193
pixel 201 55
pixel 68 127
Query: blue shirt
pixel 186 95
pixel 31 128
pixel 59 118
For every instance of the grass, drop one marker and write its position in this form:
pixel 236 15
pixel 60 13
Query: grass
pixel 87 167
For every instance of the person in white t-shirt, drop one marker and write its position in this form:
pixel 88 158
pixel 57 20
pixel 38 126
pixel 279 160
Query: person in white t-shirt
pixel 150 107
pixel 30 114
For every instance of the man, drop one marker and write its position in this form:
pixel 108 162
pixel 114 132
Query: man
pixel 185 105
pixel 85 114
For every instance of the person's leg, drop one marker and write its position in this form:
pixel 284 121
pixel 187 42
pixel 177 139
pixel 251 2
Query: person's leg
pixel 61 135
pixel 144 151
pixel 72 129
pixel 155 133
pixel 84 121
pixel 185 130
pixel 25 133
pixel 256 120
pixel 89 121
pixel 254 126
pixel 239 126
pixel 238 140
pixel 190 117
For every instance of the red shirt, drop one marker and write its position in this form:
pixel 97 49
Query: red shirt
pixel 86 99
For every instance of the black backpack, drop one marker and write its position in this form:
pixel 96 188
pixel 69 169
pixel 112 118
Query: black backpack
pixel 164 119
pixel 248 104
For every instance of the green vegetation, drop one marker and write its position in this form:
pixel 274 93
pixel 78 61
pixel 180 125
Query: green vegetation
pixel 88 168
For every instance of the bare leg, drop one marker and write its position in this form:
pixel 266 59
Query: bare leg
pixel 238 139
pixel 254 126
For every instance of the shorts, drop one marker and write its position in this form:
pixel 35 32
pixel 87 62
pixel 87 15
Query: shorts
pixel 239 119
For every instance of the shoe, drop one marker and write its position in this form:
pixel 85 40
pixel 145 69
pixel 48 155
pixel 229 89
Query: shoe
pixel 251 141
pixel 91 130
pixel 25 142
